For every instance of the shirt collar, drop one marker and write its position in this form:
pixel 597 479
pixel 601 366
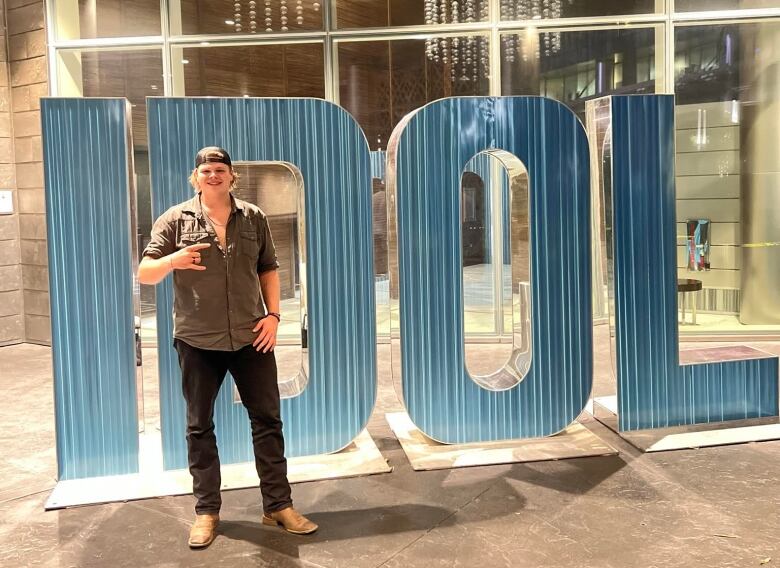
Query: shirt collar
pixel 194 207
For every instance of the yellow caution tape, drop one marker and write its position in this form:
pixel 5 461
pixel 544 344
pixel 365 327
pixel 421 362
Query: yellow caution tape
pixel 747 245
pixel 760 245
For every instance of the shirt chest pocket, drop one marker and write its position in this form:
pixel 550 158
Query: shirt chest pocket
pixel 195 238
pixel 249 245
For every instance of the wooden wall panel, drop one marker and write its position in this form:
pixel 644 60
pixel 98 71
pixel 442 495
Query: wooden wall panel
pixel 119 18
pixel 134 75
pixel 382 81
pixel 258 71
pixel 379 13
pixel 199 17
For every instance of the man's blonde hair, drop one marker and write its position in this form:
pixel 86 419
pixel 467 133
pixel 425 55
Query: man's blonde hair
pixel 233 184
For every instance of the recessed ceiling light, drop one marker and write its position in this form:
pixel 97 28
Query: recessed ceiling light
pixel 185 61
pixel 230 22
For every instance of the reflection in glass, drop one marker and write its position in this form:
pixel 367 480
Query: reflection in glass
pixel 698 238
pixel 382 81
pixel 287 71
pixel 598 115
pixel 145 222
pixel 496 269
pixel 727 151
pixel 605 160
pixel 597 120
pixel 240 17
pixel 550 9
pixel 379 231
pixel 573 67
pixel 135 253
pixel 277 188
pixel 88 19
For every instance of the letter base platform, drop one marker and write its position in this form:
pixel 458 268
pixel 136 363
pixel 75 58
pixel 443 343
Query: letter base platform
pixel 604 409
pixel 426 454
pixel 361 457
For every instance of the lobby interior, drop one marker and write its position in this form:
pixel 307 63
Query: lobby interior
pixel 380 59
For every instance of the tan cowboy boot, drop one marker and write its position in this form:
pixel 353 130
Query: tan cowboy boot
pixel 291 520
pixel 203 530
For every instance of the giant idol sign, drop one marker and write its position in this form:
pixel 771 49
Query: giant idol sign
pixel 94 379
pixel 325 144
pixel 427 156
pixel 654 390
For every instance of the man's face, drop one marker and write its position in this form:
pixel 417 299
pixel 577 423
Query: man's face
pixel 214 176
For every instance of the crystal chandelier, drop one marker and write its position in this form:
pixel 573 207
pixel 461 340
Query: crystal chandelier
pixel 467 57
pixel 246 15
pixel 549 42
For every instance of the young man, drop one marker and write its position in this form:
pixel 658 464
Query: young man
pixel 220 252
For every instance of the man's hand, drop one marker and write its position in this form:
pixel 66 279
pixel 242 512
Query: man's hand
pixel 153 270
pixel 188 258
pixel 266 338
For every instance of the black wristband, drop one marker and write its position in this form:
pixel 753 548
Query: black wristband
pixel 276 315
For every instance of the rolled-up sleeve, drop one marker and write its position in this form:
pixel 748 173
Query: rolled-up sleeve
pixel 266 259
pixel 163 239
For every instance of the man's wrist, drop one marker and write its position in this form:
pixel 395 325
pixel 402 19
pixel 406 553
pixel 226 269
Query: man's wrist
pixel 277 315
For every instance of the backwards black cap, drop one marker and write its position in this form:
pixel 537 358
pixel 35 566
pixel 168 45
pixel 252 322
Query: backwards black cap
pixel 213 154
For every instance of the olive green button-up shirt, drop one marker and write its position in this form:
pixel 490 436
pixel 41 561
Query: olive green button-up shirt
pixel 216 308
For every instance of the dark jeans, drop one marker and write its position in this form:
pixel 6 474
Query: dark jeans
pixel 202 373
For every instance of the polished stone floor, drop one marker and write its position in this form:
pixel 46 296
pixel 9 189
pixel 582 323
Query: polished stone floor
pixel 713 507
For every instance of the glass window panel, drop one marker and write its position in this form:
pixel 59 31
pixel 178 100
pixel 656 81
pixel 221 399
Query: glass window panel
pixel 727 151
pixel 575 66
pixel 551 9
pixel 382 81
pixel 704 5
pixel 384 13
pixel 379 231
pixel 246 16
pixel 86 19
pixel 287 71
